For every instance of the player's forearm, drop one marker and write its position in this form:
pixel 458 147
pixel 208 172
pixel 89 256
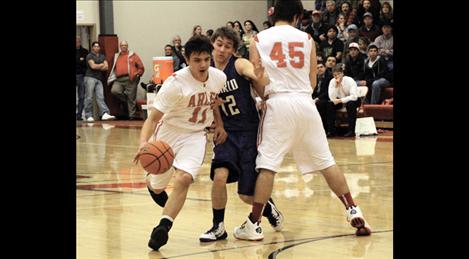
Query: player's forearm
pixel 149 125
pixel 217 117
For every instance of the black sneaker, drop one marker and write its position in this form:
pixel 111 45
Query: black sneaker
pixel 275 218
pixel 217 232
pixel 158 238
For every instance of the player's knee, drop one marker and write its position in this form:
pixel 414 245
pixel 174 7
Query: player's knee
pixel 220 178
pixel 247 199
pixel 156 190
pixel 184 179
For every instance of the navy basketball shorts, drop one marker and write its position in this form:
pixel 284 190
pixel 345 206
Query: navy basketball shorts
pixel 238 154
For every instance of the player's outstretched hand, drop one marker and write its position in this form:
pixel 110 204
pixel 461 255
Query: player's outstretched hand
pixel 219 135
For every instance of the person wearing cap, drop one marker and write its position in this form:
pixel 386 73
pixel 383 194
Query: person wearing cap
pixel 354 63
pixel 332 45
pixel 369 6
pixel 369 29
pixel 306 23
pixel 319 29
pixel 384 43
pixel 351 35
pixel 376 74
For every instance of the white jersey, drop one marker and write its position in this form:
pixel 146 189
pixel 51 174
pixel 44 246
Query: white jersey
pixel 185 101
pixel 285 53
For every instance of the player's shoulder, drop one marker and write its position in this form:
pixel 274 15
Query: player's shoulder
pixel 217 74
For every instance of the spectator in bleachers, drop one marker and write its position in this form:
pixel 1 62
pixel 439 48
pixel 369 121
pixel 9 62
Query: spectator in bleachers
pixel 318 27
pixel 250 31
pixel 340 24
pixel 241 51
pixel 329 17
pixel 80 67
pixel 386 15
pixel 94 75
pixel 368 6
pixel 178 49
pixel 354 63
pixel 332 45
pixel 351 35
pixel 169 51
pixel 342 92
pixel 349 12
pixel 126 71
pixel 321 93
pixel 266 25
pixel 320 5
pixel 209 33
pixel 306 23
pixel 331 61
pixel 230 24
pixel 369 29
pixel 376 74
pixel 197 30
pixel 238 28
pixel 384 43
pixel 363 44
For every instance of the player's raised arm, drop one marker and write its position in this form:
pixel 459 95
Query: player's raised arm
pixel 253 70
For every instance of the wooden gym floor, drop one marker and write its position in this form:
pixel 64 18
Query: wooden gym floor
pixel 115 213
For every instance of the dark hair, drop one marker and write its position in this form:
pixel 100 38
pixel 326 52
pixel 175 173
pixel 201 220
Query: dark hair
pixel 197 44
pixel 331 56
pixel 334 28
pixel 286 10
pixel 230 22
pixel 225 32
pixel 254 28
pixel 267 23
pixel 209 33
pixel 338 68
pixel 240 26
pixel 372 46
pixel 95 42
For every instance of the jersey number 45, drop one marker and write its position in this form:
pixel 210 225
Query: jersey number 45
pixel 297 57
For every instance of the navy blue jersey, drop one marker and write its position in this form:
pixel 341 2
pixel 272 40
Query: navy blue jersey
pixel 239 112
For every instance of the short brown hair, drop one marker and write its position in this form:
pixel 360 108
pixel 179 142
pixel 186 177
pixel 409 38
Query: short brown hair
pixel 228 33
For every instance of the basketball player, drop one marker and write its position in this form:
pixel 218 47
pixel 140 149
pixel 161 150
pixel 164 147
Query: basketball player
pixel 235 159
pixel 291 121
pixel 184 103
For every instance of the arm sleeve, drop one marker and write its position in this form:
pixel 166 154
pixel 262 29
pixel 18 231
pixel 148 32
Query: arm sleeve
pixel 352 91
pixel 332 90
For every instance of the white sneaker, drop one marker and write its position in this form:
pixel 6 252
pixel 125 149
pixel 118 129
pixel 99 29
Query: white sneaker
pixel 249 231
pixel 106 117
pixel 217 232
pixel 90 119
pixel 275 218
pixel 356 219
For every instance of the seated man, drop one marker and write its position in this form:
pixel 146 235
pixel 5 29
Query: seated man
pixel 342 92
pixel 320 93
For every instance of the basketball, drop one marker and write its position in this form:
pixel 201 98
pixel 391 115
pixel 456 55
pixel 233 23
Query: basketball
pixel 156 157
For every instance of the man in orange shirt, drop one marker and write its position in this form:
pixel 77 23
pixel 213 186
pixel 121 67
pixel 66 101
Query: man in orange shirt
pixel 125 73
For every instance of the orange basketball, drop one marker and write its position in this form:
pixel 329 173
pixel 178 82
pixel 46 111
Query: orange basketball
pixel 156 157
